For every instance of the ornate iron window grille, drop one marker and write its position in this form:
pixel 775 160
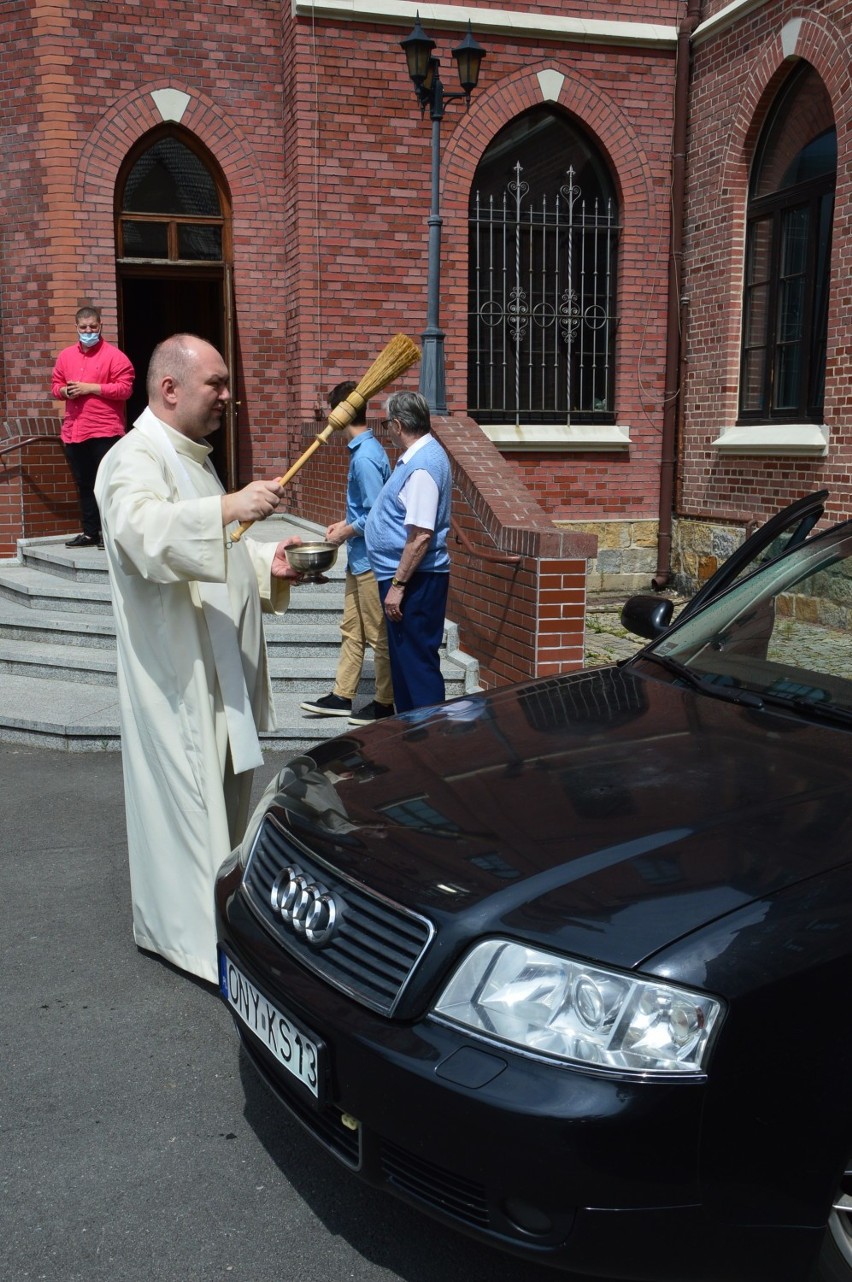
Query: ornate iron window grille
pixel 542 317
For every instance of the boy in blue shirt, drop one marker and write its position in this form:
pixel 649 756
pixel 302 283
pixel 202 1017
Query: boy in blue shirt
pixel 363 621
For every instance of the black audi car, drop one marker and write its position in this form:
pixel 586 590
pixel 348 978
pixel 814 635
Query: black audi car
pixel 566 965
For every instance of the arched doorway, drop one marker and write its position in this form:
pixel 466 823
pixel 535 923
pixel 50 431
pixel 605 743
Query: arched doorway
pixel 173 262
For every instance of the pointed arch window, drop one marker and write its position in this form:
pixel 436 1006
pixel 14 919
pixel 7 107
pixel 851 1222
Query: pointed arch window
pixel 544 229
pixel 788 257
pixel 171 205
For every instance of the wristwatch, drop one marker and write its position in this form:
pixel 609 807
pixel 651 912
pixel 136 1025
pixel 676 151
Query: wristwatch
pixel 397 583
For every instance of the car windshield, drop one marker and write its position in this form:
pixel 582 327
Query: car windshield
pixel 783 634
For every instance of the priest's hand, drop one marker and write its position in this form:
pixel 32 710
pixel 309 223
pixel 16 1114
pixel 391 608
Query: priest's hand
pixel 254 502
pixel 281 567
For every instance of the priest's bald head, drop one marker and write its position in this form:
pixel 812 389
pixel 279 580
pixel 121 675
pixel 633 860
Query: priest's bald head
pixel 188 385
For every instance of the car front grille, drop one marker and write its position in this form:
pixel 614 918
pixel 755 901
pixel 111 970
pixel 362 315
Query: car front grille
pixel 376 944
pixel 426 1182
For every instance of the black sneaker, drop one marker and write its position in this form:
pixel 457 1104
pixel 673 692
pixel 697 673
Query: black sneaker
pixel 330 705
pixel 372 712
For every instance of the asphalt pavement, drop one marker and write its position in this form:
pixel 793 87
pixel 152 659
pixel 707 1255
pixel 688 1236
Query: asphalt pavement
pixel 137 1143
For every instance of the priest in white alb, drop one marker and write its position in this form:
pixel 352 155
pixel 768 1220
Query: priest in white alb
pixel 192 670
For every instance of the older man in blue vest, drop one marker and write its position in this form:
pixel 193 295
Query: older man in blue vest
pixel 406 534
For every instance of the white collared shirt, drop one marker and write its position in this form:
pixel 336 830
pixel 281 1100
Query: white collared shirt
pixel 419 496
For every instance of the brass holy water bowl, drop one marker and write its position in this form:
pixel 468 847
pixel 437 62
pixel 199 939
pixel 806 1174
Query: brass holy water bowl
pixel 312 559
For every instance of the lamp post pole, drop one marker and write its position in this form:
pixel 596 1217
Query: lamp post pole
pixel 425 74
pixel 432 376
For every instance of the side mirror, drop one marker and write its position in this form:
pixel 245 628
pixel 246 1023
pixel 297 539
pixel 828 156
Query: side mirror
pixel 647 616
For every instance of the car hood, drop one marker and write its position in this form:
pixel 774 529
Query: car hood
pixel 605 813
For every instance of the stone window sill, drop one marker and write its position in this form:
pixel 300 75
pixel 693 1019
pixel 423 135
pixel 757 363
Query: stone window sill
pixel 604 438
pixel 804 440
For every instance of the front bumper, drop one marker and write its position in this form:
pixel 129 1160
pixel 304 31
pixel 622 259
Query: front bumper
pixel 584 1172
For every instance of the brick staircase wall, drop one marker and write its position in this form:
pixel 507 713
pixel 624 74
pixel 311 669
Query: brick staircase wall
pixel 37 494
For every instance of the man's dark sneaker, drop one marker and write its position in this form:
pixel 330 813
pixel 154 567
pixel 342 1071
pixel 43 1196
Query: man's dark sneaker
pixel 372 712
pixel 330 705
pixel 82 541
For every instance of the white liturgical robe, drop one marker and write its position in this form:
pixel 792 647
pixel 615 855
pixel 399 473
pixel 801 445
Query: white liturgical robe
pixel 160 504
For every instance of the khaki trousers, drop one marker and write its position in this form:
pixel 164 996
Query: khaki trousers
pixel 363 625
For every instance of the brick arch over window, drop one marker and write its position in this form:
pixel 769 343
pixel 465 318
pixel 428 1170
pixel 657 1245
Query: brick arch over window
pixel 115 133
pixel 600 115
pixel 120 127
pixel 196 206
pixel 820 43
pixel 493 108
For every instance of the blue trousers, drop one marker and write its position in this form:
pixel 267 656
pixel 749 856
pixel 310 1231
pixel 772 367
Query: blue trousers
pixel 414 643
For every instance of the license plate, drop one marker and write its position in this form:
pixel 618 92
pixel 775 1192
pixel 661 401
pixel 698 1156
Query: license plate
pixel 290 1045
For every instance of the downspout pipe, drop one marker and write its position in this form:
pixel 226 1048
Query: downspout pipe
pixel 676 307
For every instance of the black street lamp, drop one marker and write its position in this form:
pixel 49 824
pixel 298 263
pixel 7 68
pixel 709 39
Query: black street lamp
pixel 424 70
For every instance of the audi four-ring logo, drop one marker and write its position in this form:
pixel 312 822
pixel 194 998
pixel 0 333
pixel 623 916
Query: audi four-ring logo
pixel 304 905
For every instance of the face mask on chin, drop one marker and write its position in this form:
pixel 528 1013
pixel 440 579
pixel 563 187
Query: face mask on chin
pixel 89 340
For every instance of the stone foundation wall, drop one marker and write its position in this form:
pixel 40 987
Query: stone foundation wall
pixel 699 548
pixel 627 554
pixel 824 599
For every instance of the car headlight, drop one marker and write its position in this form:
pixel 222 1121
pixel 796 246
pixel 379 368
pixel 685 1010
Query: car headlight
pixel 565 1009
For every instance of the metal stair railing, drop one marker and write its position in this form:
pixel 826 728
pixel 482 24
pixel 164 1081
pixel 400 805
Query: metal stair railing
pixel 15 433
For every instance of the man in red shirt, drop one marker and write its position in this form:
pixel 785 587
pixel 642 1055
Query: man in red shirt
pixel 95 379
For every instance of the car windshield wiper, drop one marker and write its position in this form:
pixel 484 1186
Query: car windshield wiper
pixel 816 708
pixel 706 684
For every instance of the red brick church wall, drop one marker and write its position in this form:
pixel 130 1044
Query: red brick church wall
pixel 363 159
pixel 77 99
pixel 316 131
pixel 736 76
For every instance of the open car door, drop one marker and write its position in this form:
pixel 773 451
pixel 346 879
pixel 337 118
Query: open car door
pixel 649 616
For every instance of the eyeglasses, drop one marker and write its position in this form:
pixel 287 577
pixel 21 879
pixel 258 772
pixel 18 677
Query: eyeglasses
pixel 386 422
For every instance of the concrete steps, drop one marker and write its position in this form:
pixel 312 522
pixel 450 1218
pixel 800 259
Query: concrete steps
pixel 58 659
